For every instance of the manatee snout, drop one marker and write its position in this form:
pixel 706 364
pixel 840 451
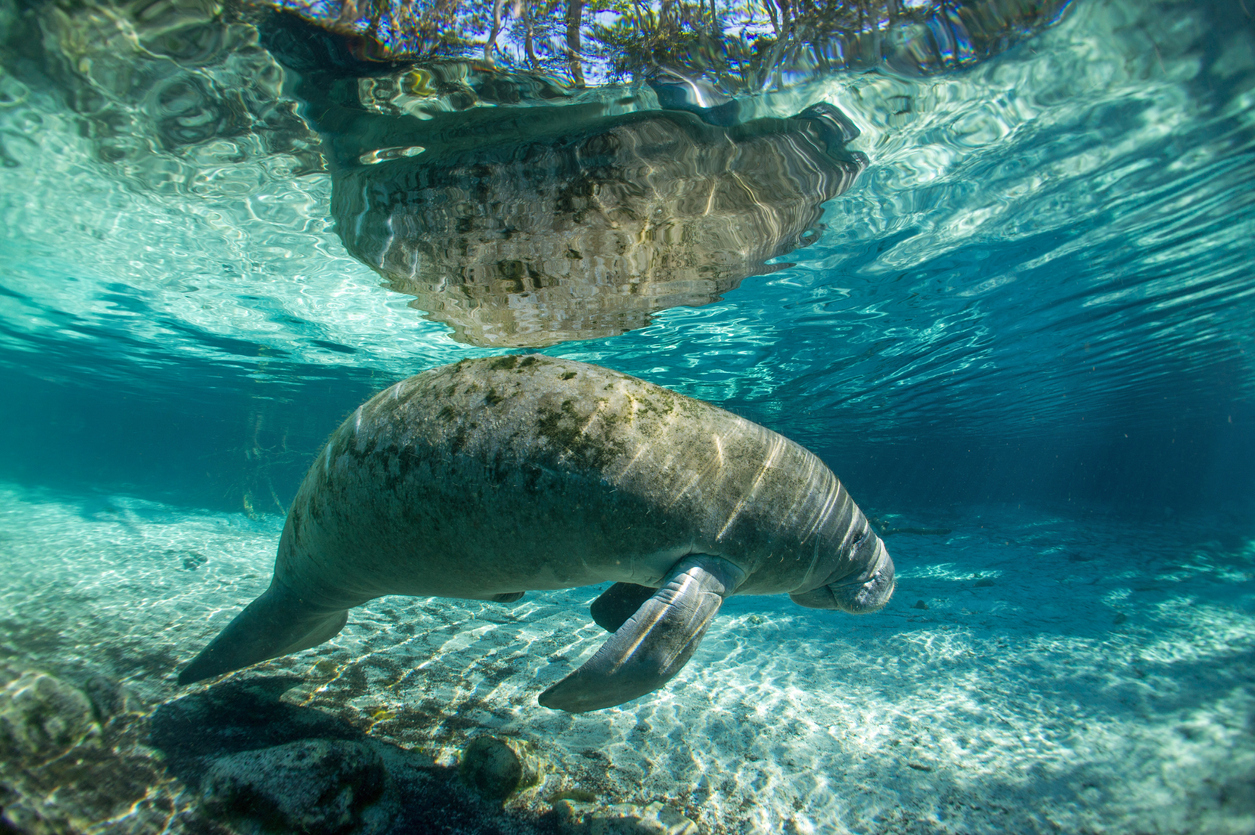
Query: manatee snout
pixel 867 590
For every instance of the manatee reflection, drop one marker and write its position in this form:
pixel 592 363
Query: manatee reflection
pixel 587 234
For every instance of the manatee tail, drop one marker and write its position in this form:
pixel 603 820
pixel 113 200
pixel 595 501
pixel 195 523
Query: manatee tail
pixel 277 623
pixel 652 645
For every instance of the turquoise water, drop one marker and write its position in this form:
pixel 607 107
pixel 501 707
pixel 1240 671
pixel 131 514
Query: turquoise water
pixel 1015 315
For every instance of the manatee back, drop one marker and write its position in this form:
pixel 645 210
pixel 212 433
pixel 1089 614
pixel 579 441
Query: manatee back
pixel 513 473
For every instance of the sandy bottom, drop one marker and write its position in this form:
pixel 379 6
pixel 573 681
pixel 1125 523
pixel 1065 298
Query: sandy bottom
pixel 1033 673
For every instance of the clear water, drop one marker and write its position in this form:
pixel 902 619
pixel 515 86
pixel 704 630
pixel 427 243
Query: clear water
pixel 1028 328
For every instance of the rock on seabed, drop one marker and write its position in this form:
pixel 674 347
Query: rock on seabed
pixel 312 786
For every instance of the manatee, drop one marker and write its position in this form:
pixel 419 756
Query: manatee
pixel 493 477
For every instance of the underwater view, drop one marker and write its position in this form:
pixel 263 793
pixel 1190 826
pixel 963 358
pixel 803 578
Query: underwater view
pixel 591 416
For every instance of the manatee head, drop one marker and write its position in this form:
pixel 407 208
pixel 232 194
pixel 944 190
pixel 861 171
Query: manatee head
pixel 860 578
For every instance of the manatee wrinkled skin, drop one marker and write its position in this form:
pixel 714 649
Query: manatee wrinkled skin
pixel 492 477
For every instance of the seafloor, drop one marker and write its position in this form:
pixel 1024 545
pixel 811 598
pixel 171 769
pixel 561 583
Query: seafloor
pixel 1033 673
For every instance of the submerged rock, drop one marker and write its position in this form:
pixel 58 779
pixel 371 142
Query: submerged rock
pixel 271 766
pixel 313 786
pixel 69 761
pixel 498 767
pixel 43 716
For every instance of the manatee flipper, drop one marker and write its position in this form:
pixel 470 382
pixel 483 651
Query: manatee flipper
pixel 618 603
pixel 277 623
pixel 654 643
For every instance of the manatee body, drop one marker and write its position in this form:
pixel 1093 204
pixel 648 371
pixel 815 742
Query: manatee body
pixel 497 476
